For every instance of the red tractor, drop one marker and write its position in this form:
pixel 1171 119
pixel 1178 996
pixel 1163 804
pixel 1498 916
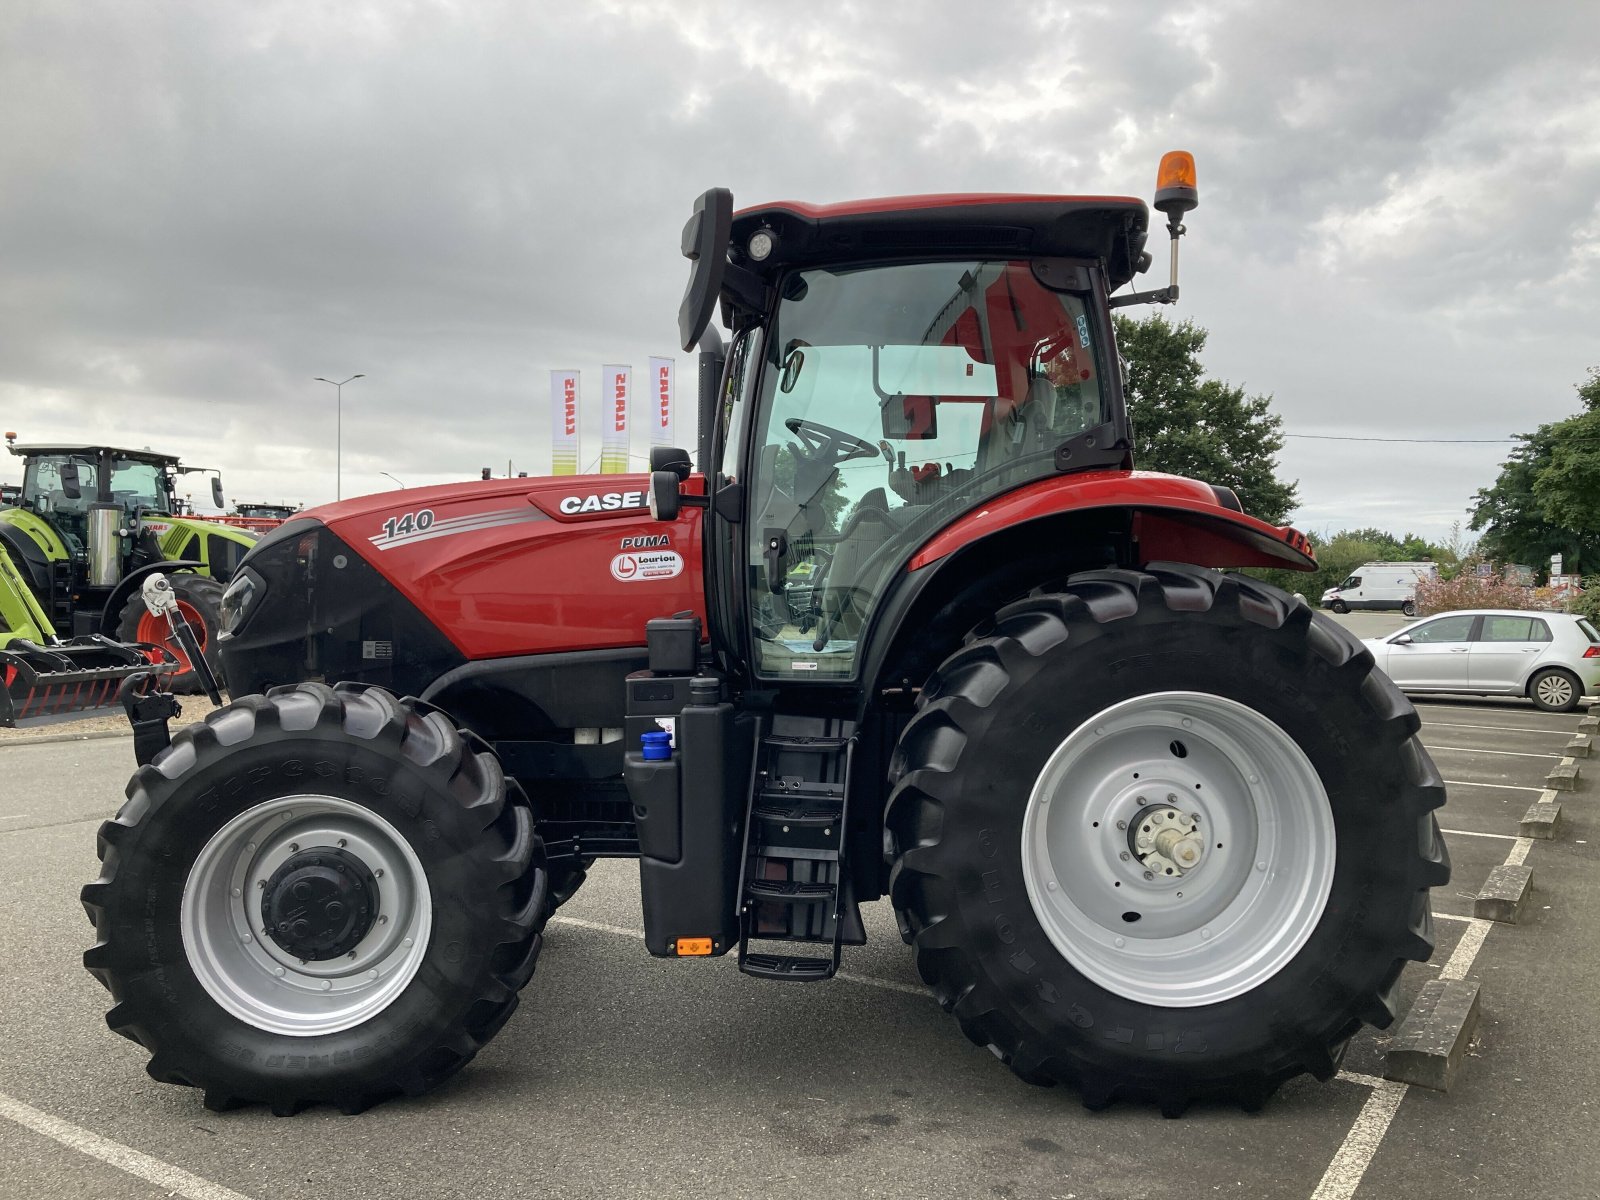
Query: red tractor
pixel 908 625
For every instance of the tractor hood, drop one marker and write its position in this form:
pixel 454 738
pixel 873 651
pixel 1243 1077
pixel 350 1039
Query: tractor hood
pixel 399 587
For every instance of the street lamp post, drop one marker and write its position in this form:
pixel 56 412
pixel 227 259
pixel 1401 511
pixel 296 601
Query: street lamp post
pixel 338 431
pixel 385 473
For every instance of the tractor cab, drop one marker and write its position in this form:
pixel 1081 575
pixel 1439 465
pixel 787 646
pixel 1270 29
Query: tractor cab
pixel 895 365
pixel 62 483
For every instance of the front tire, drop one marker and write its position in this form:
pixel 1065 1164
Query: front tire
pixel 1074 955
pixel 1339 606
pixel 317 896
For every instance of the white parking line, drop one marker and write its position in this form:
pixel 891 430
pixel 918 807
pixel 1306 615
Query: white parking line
pixel 1506 753
pixel 1355 1154
pixel 1343 1176
pixel 1498 728
pixel 1504 837
pixel 597 926
pixel 175 1180
pixel 1510 787
pixel 16 817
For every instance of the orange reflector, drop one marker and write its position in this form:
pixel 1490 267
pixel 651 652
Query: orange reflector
pixel 1176 170
pixel 693 947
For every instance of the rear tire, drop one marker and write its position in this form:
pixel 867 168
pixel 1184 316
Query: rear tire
pixel 1555 690
pixel 969 770
pixel 1408 608
pixel 201 597
pixel 360 793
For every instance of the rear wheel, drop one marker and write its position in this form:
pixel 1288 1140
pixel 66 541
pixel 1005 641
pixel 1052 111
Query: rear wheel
pixel 1408 608
pixel 1191 874
pixel 200 602
pixel 317 896
pixel 1555 690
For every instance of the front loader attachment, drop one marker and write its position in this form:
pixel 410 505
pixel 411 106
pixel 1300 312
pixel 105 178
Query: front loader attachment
pixel 76 678
pixel 46 679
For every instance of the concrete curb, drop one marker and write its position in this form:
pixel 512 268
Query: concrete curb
pixel 1505 894
pixel 46 738
pixel 1541 821
pixel 1581 746
pixel 1432 1042
pixel 1563 776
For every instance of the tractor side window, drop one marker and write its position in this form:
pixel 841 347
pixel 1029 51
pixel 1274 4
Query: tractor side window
pixel 892 400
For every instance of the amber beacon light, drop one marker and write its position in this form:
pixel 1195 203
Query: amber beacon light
pixel 1175 186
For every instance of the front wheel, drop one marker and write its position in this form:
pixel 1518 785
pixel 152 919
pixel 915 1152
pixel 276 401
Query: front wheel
pixel 1339 606
pixel 1555 690
pixel 317 896
pixel 1191 873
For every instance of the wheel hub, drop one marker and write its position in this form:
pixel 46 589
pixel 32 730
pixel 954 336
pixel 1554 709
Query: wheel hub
pixel 320 903
pixel 1167 841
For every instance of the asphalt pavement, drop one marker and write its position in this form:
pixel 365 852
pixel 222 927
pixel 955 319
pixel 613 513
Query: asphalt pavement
pixel 624 1076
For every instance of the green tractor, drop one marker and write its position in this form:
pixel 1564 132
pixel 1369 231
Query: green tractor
pixel 90 524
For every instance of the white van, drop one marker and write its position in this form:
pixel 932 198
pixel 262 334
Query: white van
pixel 1380 585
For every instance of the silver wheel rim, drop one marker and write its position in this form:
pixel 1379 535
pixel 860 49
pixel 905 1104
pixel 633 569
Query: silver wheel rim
pixel 1555 690
pixel 254 978
pixel 1230 781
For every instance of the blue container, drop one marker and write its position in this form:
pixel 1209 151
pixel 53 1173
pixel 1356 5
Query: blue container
pixel 656 746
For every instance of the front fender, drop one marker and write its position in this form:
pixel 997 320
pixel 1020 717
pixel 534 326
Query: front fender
pixel 131 582
pixel 1173 520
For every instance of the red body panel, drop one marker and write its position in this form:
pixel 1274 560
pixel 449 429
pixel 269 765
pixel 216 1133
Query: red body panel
pixel 502 568
pixel 1180 520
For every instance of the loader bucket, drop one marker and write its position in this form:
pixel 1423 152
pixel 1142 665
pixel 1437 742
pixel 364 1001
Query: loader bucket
pixel 43 684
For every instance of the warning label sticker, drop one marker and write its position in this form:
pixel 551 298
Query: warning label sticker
pixel 658 564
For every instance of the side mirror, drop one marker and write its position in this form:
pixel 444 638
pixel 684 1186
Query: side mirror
pixel 216 492
pixel 71 487
pixel 1403 640
pixel 670 458
pixel 705 245
pixel 664 498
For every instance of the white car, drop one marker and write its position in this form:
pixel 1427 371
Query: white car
pixel 1551 658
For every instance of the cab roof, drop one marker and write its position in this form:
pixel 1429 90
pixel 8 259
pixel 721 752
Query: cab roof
pixel 42 448
pixel 1111 229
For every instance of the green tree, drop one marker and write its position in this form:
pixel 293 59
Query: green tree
pixel 1546 499
pixel 1203 428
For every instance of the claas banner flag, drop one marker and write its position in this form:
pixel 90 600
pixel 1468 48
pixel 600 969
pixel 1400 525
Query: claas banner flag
pixel 563 422
pixel 617 382
pixel 658 402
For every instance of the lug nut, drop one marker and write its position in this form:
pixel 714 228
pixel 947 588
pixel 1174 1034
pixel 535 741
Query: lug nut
pixel 1122 824
pixel 1149 874
pixel 1124 856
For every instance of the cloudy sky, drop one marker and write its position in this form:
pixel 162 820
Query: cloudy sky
pixel 203 205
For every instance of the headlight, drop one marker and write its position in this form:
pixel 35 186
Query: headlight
pixel 238 599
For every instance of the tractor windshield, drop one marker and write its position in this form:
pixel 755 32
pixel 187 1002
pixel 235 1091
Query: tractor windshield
pixel 893 399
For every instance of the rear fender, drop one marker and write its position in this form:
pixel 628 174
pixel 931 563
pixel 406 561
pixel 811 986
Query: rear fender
pixel 131 582
pixel 1040 534
pixel 1173 520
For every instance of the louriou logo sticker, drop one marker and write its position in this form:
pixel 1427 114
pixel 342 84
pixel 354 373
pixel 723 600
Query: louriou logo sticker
pixel 658 564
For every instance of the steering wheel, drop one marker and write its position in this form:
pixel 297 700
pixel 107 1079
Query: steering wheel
pixel 819 441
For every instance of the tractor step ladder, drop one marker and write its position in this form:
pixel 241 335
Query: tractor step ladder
pixel 794 886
